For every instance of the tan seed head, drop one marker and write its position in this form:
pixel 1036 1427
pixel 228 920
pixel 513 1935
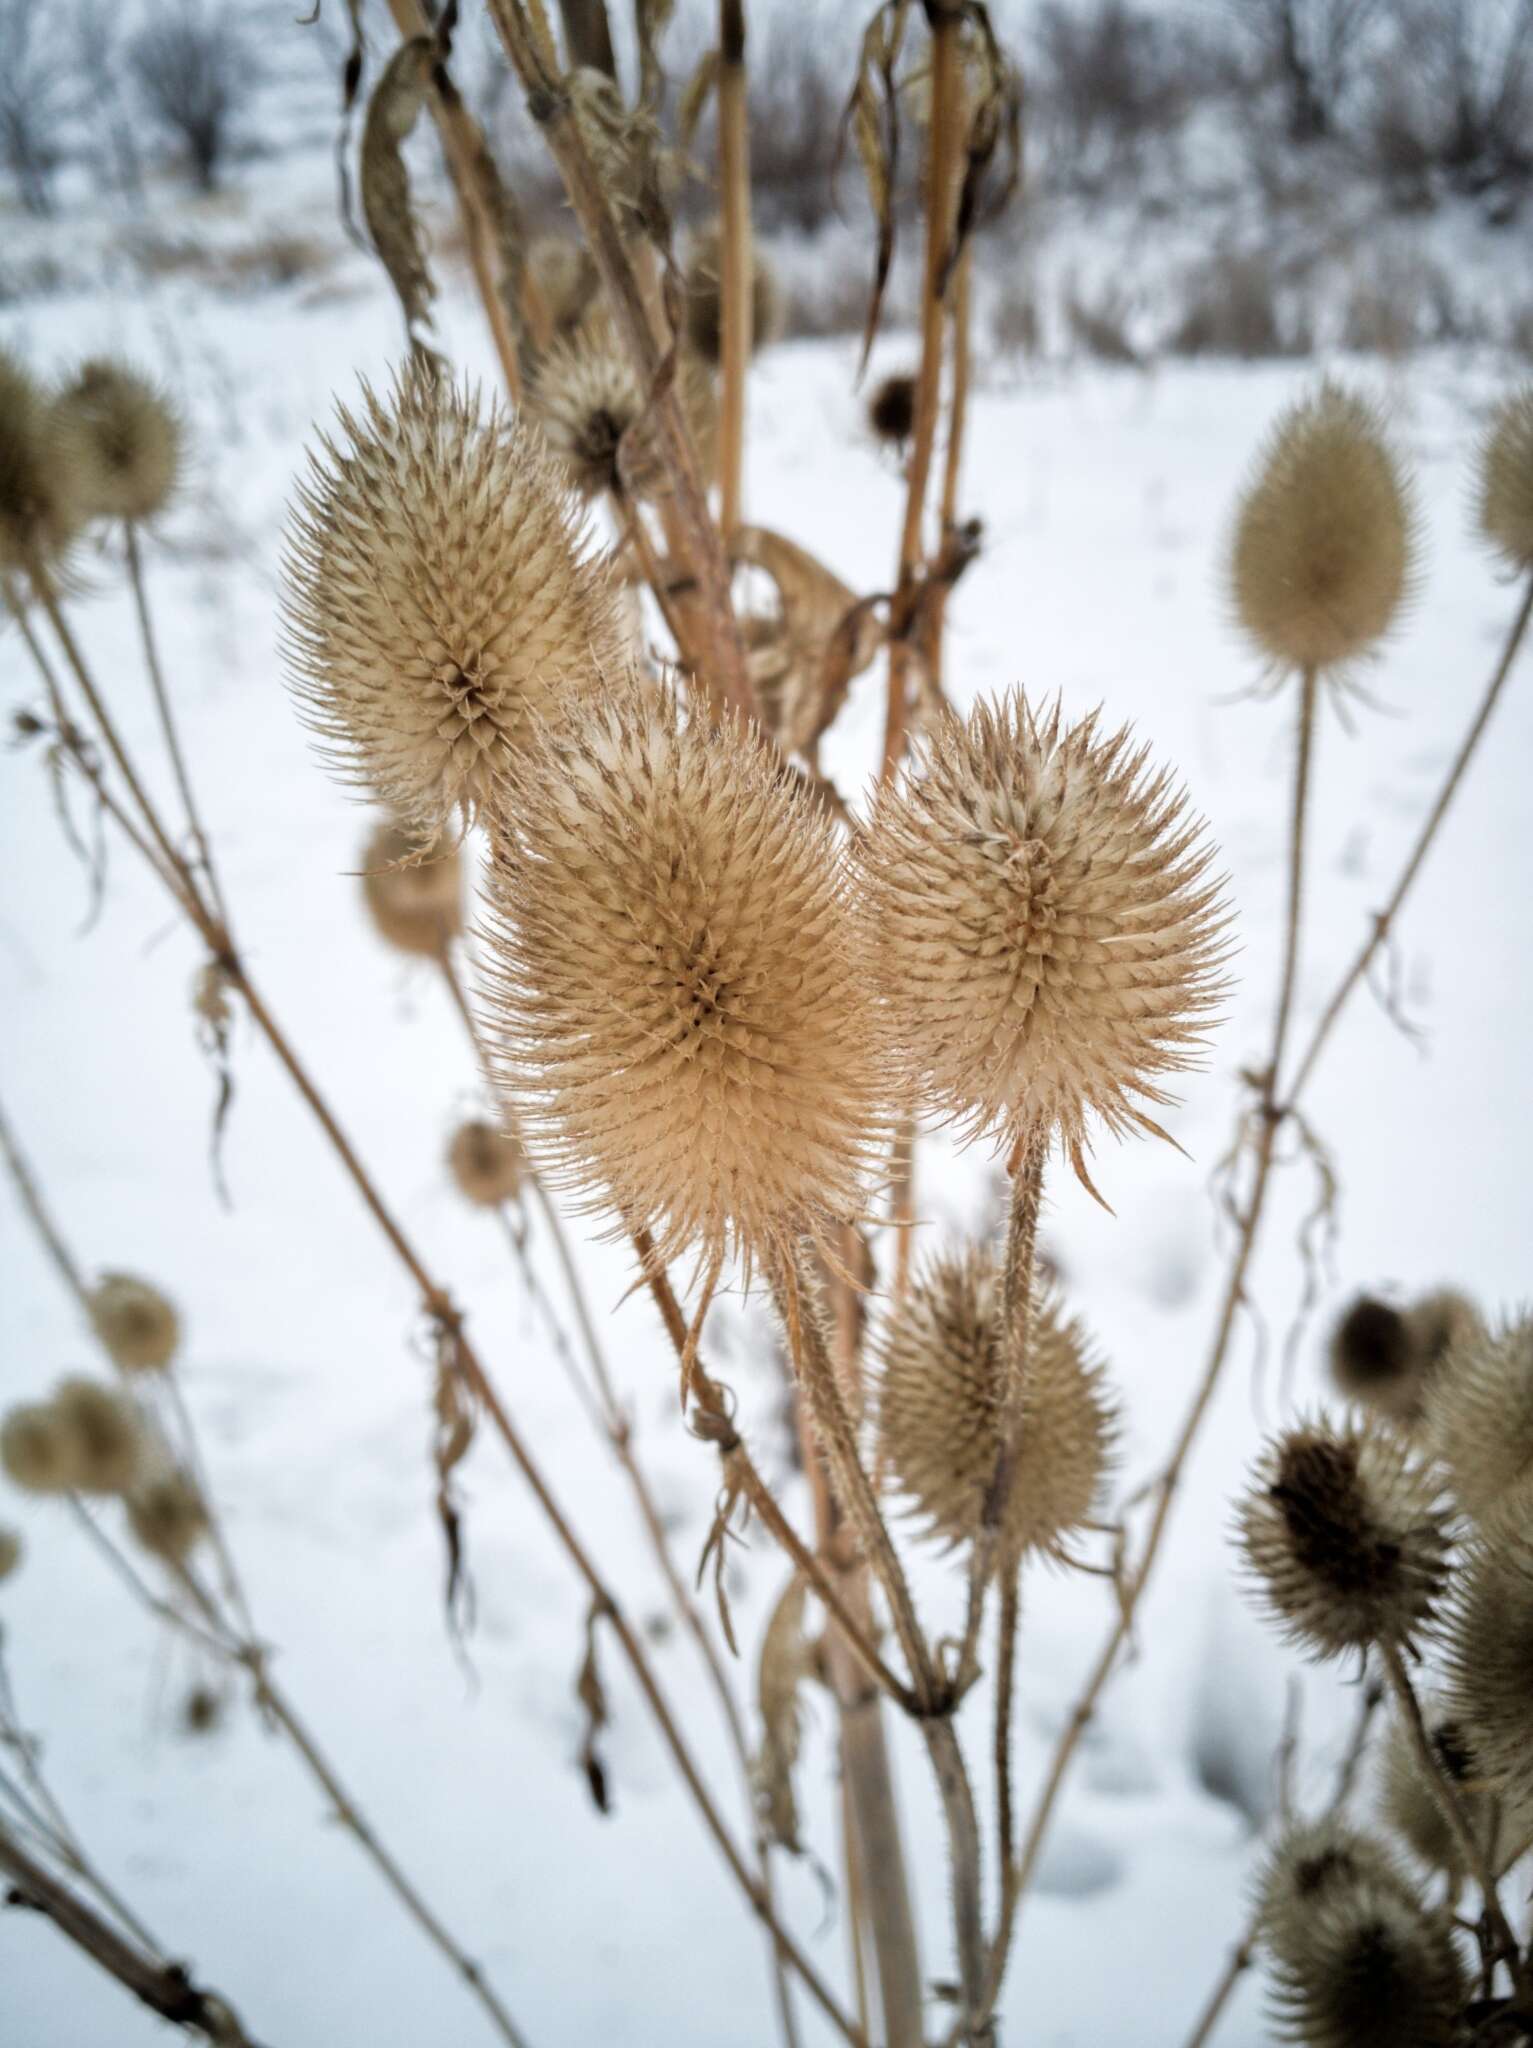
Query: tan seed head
pixel 35 1452
pixel 1324 543
pixel 1505 506
pixel 168 1516
pixel 487 1163
pixel 10 1551
pixel 40 473
pixel 130 440
pixel 1479 1415
pixel 590 405
pixel 1410 1804
pixel 1048 934
pixel 439 595
pixel 137 1325
pixel 103 1437
pixel 1490 1651
pixel 413 890
pixel 941 1381
pixel 564 273
pixel 705 297
pixel 681 1001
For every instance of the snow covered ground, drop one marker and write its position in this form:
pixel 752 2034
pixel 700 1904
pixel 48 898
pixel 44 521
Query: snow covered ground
pixel 1106 496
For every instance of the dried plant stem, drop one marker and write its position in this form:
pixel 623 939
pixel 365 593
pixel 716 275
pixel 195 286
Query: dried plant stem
pixel 1446 1799
pixel 856 1904
pixel 902 1178
pixel 467 155
pixel 164 1987
pixel 734 262
pixel 1005 1686
pixel 957 421
pixel 964 1865
pixel 1383 922
pixel 41 1218
pixel 445 1316
pixel 167 716
pixel 723 658
pixel 944 148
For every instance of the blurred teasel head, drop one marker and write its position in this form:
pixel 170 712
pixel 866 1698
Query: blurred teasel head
pixel 35 1452
pixel 486 1162
pixel 892 409
pixel 130 441
pixel 590 404
pixel 1048 932
pixel 1490 1651
pixel 41 465
pixel 1505 501
pixel 10 1551
pixel 103 1436
pixel 1387 1357
pixel 413 890
pixel 1411 1805
pixel 1479 1415
pixel 705 296
pixel 439 595
pixel 168 1516
pixel 136 1324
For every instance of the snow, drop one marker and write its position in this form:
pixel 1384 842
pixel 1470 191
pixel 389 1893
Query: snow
pixel 1106 496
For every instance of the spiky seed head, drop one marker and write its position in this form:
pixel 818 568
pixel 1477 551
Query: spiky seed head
pixel 941 1379
pixel 1505 506
pixel 1372 1358
pixel 892 409
pixel 137 1325
pixel 1360 1960
pixel 487 1163
pixel 439 595
pixel 1479 1415
pixel 1348 1537
pixel 130 441
pixel 705 296
pixel 103 1437
pixel 1324 542
pixel 35 1451
pixel 168 1516
pixel 1408 1802
pixel 564 273
pixel 678 982
pixel 1048 934
pixel 1440 1323
pixel 10 1551
pixel 1490 1650
pixel 590 404
pixel 413 889
pixel 40 473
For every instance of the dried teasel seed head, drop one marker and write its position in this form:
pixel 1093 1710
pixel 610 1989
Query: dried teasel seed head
pixel 1479 1415
pixel 1408 1802
pixel 1490 1651
pixel 1359 1960
pixel 892 409
pixel 1387 1357
pixel 413 890
pixel 137 1325
pixel 1048 934
pixel 103 1436
pixel 1348 1537
pixel 130 441
pixel 590 404
pixel 439 595
pixel 1505 508
pixel 487 1163
pixel 10 1551
pixel 1324 544
pixel 677 984
pixel 168 1516
pixel 41 464
pixel 35 1451
pixel 565 275
pixel 705 297
pixel 941 1379
pixel 202 1710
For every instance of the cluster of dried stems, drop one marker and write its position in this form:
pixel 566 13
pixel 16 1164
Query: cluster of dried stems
pixel 715 1001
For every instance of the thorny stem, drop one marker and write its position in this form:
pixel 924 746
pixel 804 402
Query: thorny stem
pixel 944 148
pixel 1446 1798
pixel 439 1307
pixel 1005 1682
pixel 549 103
pixel 165 1988
pixel 735 294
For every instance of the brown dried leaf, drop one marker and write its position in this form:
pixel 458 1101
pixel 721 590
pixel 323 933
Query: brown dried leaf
pixel 695 95
pixel 651 19
pixel 787 1660
pixel 453 1410
pixel 592 1697
pixel 392 113
pixel 828 635
pixel 872 113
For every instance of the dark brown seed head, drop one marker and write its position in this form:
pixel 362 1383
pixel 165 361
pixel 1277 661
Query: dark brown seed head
pixel 892 409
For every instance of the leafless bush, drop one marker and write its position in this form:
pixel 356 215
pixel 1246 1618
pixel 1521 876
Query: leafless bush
pixel 1109 79
pixel 34 80
pixel 1457 111
pixel 1314 51
pixel 1403 301
pixel 196 73
pixel 1236 307
pixel 1099 324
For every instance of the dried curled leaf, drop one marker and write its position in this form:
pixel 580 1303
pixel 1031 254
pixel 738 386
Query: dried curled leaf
pixel 827 636
pixel 392 114
pixel 624 146
pixel 593 1699
pixel 872 113
pixel 453 1413
pixel 787 1659
pixel 651 18
pixel 992 91
pixel 695 95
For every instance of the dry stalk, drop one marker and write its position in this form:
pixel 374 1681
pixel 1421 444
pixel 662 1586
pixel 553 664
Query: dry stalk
pixel 735 259
pixel 957 422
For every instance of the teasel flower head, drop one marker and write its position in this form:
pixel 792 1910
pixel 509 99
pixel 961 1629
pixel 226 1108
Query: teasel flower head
pixel 892 409
pixel 1505 508
pixel 589 402
pixel 941 1381
pixel 103 1436
pixel 130 441
pixel 1490 1651
pixel 136 1324
pixel 41 465
pixel 10 1551
pixel 1359 1960
pixel 413 890
pixel 705 297
pixel 168 1516
pixel 1479 1415
pixel 1386 1357
pixel 1347 1536
pixel 677 981
pixel 1409 1804
pixel 439 595
pixel 565 275
pixel 35 1451
pixel 486 1162
pixel 1324 547
pixel 1048 934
